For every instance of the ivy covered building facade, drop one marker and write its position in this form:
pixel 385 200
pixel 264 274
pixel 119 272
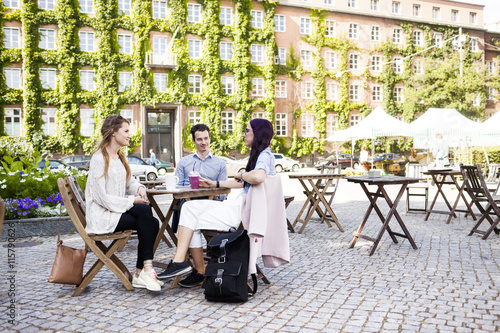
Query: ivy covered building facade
pixel 309 66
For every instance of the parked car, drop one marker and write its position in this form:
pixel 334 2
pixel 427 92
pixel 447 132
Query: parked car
pixel 234 166
pixel 281 162
pixel 161 166
pixel 387 157
pixel 140 168
pixel 77 160
pixel 57 164
pixel 344 160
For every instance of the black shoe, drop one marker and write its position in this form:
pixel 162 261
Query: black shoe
pixel 174 269
pixel 192 280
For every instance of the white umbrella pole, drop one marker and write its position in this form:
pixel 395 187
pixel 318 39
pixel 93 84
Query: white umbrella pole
pixel 352 150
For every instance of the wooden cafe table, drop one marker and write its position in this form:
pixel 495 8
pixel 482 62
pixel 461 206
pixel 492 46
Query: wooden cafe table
pixel 381 182
pixel 316 194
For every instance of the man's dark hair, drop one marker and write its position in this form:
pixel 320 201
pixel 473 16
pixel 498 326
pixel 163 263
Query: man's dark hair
pixel 199 128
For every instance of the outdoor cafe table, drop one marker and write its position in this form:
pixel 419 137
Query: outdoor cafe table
pixel 316 194
pixel 380 182
pixel 439 177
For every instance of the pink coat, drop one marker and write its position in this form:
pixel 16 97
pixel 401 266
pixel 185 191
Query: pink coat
pixel 264 217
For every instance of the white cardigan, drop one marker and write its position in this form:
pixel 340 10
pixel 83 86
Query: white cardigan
pixel 107 197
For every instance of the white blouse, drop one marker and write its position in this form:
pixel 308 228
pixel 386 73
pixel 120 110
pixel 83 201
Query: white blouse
pixel 107 197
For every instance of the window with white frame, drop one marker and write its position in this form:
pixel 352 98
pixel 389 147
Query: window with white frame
pixel 87 79
pixel 125 43
pixel 159 9
pixel 124 6
pixel 474 46
pixel 307 89
pixel 330 28
pixel 49 121
pixel 353 31
pixel 279 23
pixel 417 38
pixel 161 81
pixel 48 78
pixel 46 4
pixel 280 89
pixel 194 46
pixel 472 18
pixel 454 15
pixel 258 114
pixel 397 65
pixel 398 94
pixel 257 87
pixel 396 7
pixel 227 85
pixel 227 122
pixel 328 2
pixel 226 16
pixel 354 92
pixel 282 55
pixel 128 114
pixel 437 39
pixel 377 93
pixel 307 125
pixel 376 63
pixel 257 19
pixel 375 33
pixel 12 122
pixel 160 44
pixel 194 13
pixel 330 59
pixel 257 51
pixel 194 117
pixel 491 93
pixel 396 35
pixel 86 41
pixel 306 58
pixel 12 38
pixel 86 6
pixel 331 91
pixel 124 81
pixel 400 117
pixel 354 119
pixel 47 39
pixel 194 84
pixel 305 25
pixel 417 12
pixel 11 3
pixel 280 126
pixel 353 61
pixel 476 101
pixel 352 3
pixel 12 77
pixel 418 67
pixel 87 122
pixel 436 13
pixel 331 124
pixel 490 67
pixel 375 5
pixel 226 50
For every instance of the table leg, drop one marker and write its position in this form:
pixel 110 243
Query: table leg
pixel 439 185
pixel 460 194
pixel 164 222
pixel 322 198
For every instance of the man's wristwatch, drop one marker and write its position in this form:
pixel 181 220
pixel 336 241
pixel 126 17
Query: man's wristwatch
pixel 217 184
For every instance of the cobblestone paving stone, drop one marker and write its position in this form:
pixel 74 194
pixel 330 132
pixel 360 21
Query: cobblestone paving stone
pixel 451 283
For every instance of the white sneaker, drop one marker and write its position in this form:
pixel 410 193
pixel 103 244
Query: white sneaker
pixel 137 282
pixel 149 281
pixel 157 281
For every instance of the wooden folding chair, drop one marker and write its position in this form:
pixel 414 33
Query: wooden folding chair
pixel 2 214
pixel 477 189
pixel 328 168
pixel 420 189
pixel 492 177
pixel 105 254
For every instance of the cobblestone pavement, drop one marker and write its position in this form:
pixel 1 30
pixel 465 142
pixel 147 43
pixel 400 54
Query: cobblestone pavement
pixel 450 283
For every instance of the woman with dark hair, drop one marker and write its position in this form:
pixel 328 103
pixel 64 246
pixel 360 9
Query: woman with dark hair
pixel 220 215
pixel 116 201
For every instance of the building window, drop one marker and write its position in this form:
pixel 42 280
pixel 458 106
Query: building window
pixel 86 41
pixel 476 101
pixel 227 122
pixel 47 39
pixel 417 38
pixel 454 15
pixel 436 13
pixel 377 93
pixel 330 28
pixel 194 48
pixel 280 126
pixel 257 51
pixel 86 6
pixel 49 121
pixel 397 65
pixel 87 122
pixel 280 89
pixel 282 55
pixel 12 38
pixel 375 5
pixel 416 11
pixel 159 45
pixel 417 67
pixel 353 30
pixel 257 87
pixel 307 89
pixel 398 94
pixel 87 79
pixel 491 93
pixel 194 84
pixel 48 78
pixel 396 7
pixel 226 16
pixel 194 13
pixel 376 63
pixel 124 81
pixel 396 35
pixel 124 6
pixel 354 119
pixel 12 122
pixel 331 124
pixel 352 3
pixel 161 81
pixel 375 33
pixel 306 58
pixel 331 91
pixel 353 61
pixel 354 92
pixel 258 115
pixel 472 18
pixel 226 50
pixel 46 4
pixel 12 77
pixel 328 2
pixel 308 125
pixel 227 85
pixel 330 59
pixel 127 114
pixel 125 43
pixel 11 3
pixel 159 9
pixel 257 18
pixel 437 39
pixel 474 46
pixel 194 117
pixel 279 23
pixel 305 25
pixel 490 67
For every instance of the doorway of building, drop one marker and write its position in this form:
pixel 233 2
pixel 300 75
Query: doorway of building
pixel 160 135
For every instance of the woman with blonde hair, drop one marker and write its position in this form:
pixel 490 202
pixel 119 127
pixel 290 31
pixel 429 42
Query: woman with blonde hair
pixel 116 201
